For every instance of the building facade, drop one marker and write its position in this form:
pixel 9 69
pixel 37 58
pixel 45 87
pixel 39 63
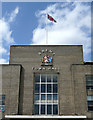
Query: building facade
pixel 46 82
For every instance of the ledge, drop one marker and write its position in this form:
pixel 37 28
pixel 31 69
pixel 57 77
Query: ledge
pixel 44 116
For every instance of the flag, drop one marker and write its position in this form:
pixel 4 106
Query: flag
pixel 50 18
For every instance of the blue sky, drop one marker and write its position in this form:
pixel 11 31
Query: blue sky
pixel 24 23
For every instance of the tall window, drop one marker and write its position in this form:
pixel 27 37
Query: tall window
pixel 90 103
pixel 46 94
pixel 89 82
pixel 2 102
pixel 89 87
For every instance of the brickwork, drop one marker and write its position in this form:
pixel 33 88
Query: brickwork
pixel 10 87
pixel 18 82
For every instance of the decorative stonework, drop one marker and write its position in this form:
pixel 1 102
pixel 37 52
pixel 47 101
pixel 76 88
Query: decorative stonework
pixel 47 57
pixel 45 68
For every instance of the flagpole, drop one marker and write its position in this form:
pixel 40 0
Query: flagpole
pixel 51 19
pixel 46 29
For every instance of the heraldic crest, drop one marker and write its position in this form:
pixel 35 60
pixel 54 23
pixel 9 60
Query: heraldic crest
pixel 47 57
pixel 47 60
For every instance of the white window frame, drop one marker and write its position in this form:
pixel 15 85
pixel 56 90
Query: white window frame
pixel 46 103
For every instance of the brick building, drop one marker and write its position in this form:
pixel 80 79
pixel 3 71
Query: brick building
pixel 46 81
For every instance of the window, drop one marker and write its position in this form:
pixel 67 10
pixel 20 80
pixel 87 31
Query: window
pixel 89 86
pixel 46 94
pixel 2 102
pixel 89 82
pixel 90 103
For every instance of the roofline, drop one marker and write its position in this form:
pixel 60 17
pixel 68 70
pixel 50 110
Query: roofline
pixel 85 63
pixel 41 45
pixel 10 65
pixel 88 63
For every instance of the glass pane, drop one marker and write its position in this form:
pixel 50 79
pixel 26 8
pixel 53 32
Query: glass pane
pixel 49 109
pixel 36 109
pixel 54 88
pixel 55 109
pixel 89 98
pixel 49 88
pixel 89 77
pixel 43 97
pixel 54 78
pixel 43 88
pixel 89 82
pixel 55 97
pixel 90 108
pixel 89 87
pixel 37 88
pixel 49 97
pixel 37 78
pixel 42 109
pixel 2 97
pixel 49 78
pixel 3 102
pixel 90 103
pixel 36 97
pixel 43 78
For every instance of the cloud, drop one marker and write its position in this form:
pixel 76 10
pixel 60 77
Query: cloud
pixel 5 32
pixel 2 50
pixel 6 38
pixel 73 25
pixel 13 14
pixel 3 61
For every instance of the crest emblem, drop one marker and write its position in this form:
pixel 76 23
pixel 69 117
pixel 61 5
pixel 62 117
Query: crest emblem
pixel 47 60
pixel 47 57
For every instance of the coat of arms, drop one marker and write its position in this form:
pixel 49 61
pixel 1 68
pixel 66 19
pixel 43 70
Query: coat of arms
pixel 47 57
pixel 47 60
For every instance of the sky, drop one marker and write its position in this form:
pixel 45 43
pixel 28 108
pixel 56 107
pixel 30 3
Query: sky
pixel 24 23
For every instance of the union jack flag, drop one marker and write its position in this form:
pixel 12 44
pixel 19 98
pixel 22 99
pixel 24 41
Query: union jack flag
pixel 51 18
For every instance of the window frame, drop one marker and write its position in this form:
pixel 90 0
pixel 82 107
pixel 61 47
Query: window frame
pixel 46 103
pixel 89 87
pixel 90 100
pixel 2 102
